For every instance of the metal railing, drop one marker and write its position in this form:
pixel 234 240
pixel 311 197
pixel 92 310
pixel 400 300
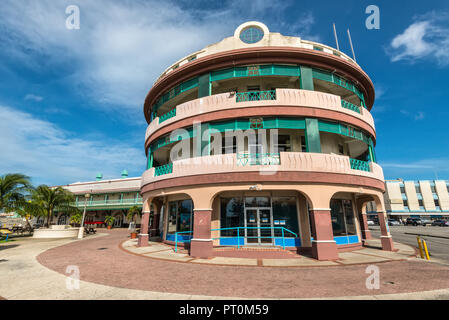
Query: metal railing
pixel 255 95
pixel 360 165
pixel 168 115
pixel 253 159
pixel 165 169
pixel 350 106
pixel 283 231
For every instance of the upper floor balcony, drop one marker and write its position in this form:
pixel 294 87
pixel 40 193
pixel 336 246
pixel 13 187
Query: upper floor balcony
pixel 256 99
pixel 265 164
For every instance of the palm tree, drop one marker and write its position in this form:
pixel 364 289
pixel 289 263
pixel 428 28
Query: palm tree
pixel 13 189
pixel 49 199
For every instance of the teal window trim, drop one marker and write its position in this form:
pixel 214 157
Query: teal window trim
pixel 259 70
pixel 275 123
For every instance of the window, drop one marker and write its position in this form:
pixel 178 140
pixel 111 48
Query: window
pixel 228 145
pixel 284 211
pixel 421 204
pixel 251 35
pixel 402 189
pixel 418 189
pixel 283 144
pixel 437 204
pixel 432 187
pixel 232 216
pixel 405 203
pixel 340 149
pixel 342 216
pixel 253 88
pixel 180 218
pixel 257 202
pixel 303 144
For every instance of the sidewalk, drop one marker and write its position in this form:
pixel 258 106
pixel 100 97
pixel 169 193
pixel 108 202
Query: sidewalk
pixel 31 269
pixel 368 255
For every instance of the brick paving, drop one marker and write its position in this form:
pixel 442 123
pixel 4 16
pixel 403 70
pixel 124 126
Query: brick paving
pixel 102 261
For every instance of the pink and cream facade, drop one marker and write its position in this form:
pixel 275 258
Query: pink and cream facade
pixel 262 140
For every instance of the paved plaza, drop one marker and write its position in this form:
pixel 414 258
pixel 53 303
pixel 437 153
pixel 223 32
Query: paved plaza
pixel 112 267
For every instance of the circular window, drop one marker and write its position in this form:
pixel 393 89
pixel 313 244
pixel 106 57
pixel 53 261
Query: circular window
pixel 251 35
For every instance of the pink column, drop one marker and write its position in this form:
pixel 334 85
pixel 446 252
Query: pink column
pixel 385 238
pixel 323 244
pixel 201 244
pixel 143 235
pixel 366 233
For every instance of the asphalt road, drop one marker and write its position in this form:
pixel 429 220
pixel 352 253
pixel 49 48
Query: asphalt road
pixel 438 247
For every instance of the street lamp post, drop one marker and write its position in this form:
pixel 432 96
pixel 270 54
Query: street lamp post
pixel 81 229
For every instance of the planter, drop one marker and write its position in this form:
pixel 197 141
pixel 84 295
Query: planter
pixel 133 235
pixel 109 227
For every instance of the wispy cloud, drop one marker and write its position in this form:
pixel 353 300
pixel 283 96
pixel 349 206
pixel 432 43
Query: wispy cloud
pixel 122 46
pixel 33 97
pixel 419 115
pixel 52 155
pixel 427 37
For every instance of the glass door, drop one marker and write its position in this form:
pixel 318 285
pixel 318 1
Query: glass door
pixel 251 224
pixel 258 223
pixel 266 228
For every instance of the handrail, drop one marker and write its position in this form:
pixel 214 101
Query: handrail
pixel 283 229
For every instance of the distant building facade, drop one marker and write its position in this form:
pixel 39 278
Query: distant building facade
pixel 424 198
pixel 105 197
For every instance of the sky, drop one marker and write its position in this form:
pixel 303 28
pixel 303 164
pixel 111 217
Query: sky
pixel 71 100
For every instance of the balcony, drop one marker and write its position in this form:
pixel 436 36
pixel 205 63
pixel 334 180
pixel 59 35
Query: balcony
pixel 113 203
pixel 284 161
pixel 281 97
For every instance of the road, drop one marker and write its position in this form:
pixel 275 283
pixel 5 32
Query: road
pixel 438 247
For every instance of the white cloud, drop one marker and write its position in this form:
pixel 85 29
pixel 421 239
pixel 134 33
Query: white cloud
pixel 419 115
pixel 426 38
pixel 121 46
pixel 33 97
pixel 51 155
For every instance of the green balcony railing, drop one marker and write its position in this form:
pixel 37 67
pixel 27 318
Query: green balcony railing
pixel 350 106
pixel 360 165
pixel 254 159
pixel 168 115
pixel 165 169
pixel 255 95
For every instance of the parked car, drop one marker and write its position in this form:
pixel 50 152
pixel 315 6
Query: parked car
pixel 426 222
pixel 393 222
pixel 413 221
pixel 440 223
pixel 371 223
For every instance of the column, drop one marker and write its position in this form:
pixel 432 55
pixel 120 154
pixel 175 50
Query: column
pixel 313 142
pixel 323 244
pixel 385 238
pixel 306 80
pixel 361 210
pixel 143 235
pixel 304 223
pixel 154 227
pixel 204 86
pixel 201 244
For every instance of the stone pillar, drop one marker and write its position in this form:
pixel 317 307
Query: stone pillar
pixel 323 244
pixel 154 228
pixel 201 244
pixel 304 223
pixel 366 233
pixel 143 235
pixel 385 238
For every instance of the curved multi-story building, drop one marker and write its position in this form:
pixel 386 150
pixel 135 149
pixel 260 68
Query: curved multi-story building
pixel 262 139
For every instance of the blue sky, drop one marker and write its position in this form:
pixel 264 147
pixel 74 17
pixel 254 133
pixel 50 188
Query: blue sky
pixel 71 100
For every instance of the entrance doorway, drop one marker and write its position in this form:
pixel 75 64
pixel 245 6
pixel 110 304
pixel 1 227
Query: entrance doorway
pixel 259 226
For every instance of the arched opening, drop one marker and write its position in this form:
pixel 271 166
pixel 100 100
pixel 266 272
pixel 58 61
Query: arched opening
pixel 63 219
pixel 345 221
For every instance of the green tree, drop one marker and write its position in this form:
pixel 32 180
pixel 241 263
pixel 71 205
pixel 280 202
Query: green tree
pixel 76 218
pixel 109 220
pixel 133 212
pixel 49 199
pixel 13 190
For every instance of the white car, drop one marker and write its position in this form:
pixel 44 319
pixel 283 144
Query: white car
pixel 371 223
